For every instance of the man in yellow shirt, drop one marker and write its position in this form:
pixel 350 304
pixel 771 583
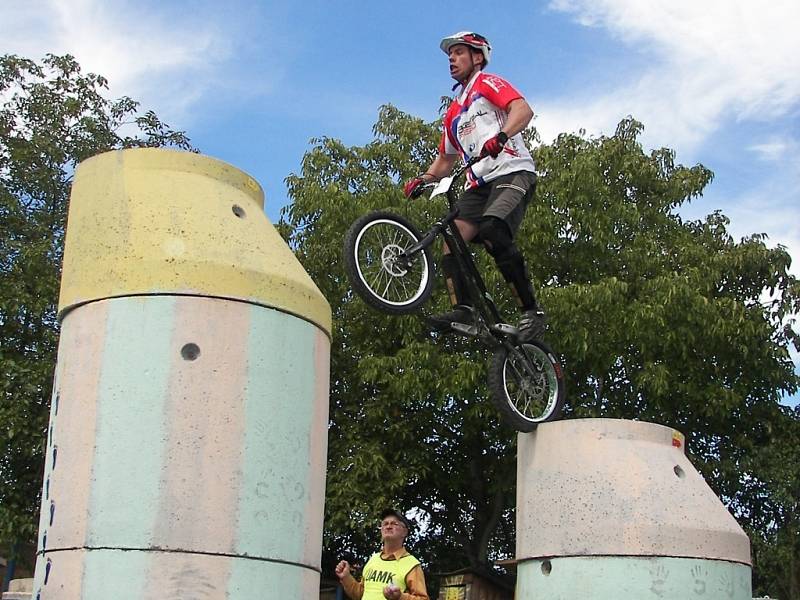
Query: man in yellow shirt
pixel 392 573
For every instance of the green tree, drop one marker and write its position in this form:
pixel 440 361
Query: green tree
pixel 656 318
pixel 395 397
pixel 52 117
pixel 769 504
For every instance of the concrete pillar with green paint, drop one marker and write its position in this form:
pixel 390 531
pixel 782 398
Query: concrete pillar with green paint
pixel 610 509
pixel 188 434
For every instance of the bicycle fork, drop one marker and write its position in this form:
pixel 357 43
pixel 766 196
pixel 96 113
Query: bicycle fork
pixel 406 257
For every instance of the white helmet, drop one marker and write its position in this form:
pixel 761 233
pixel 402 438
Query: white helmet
pixel 471 39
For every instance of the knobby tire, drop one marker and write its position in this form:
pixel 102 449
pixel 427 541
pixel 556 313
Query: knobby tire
pixel 372 249
pixel 528 396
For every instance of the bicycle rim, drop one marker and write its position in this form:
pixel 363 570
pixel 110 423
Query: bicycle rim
pixel 531 384
pixel 378 250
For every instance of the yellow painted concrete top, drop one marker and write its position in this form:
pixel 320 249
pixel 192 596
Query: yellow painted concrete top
pixel 155 221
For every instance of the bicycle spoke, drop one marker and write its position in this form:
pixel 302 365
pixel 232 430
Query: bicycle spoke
pixel 528 386
pixel 386 289
pixel 381 267
pixel 403 284
pixel 380 276
pixel 395 237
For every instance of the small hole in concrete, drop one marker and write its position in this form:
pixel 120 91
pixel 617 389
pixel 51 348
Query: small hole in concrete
pixel 190 352
pixel 546 567
pixel 679 472
pixel 238 211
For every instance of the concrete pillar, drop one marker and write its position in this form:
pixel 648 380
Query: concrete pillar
pixel 610 509
pixel 187 444
pixel 19 589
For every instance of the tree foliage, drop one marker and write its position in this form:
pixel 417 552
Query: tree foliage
pixel 52 117
pixel 656 318
pixel 769 503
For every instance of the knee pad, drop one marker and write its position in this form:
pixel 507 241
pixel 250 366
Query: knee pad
pixel 496 236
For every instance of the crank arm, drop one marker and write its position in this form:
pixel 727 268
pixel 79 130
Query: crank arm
pixel 482 333
pixel 505 329
pixel 468 330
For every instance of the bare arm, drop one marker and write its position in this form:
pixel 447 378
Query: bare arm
pixel 519 115
pixel 441 167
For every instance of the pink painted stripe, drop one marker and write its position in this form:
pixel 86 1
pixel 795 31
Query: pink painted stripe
pixel 65 577
pixel 201 473
pixel 318 450
pixel 80 355
pixel 189 576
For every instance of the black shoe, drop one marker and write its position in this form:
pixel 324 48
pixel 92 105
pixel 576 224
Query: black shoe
pixel 461 313
pixel 531 326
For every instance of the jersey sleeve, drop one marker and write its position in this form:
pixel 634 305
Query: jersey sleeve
pixel 498 91
pixel 443 142
pixel 446 145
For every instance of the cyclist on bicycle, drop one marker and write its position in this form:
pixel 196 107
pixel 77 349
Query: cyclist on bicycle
pixel 486 119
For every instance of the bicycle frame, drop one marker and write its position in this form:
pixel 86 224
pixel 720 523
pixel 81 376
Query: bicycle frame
pixel 525 381
pixel 447 228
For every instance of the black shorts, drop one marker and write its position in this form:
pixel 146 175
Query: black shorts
pixel 506 198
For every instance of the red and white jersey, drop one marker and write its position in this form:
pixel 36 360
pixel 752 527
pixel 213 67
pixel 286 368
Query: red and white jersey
pixel 476 116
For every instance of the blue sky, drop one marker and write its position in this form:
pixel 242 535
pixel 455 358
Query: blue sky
pixel 252 82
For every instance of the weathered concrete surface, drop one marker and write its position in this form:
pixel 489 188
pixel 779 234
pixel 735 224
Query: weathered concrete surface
pixel 613 578
pixel 19 589
pixel 610 509
pixel 591 487
pixel 154 221
pixel 188 431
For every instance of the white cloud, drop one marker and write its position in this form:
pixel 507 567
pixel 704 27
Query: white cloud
pixel 778 220
pixel 776 148
pixel 165 60
pixel 772 206
pixel 712 60
pixel 715 64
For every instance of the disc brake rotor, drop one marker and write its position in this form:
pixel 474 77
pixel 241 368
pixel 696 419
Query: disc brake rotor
pixel 533 383
pixel 391 264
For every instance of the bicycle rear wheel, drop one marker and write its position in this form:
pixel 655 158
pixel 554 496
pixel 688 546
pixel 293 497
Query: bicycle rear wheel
pixel 526 385
pixel 379 271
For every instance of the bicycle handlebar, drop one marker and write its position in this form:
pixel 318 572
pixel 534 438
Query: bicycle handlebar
pixel 457 173
pixel 468 165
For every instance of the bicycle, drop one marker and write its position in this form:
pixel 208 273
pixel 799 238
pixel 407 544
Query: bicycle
pixel 390 266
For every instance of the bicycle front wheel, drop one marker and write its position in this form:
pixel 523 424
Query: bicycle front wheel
pixel 526 385
pixel 378 268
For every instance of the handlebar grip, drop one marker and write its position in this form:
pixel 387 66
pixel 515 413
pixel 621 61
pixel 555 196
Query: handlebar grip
pixel 418 191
